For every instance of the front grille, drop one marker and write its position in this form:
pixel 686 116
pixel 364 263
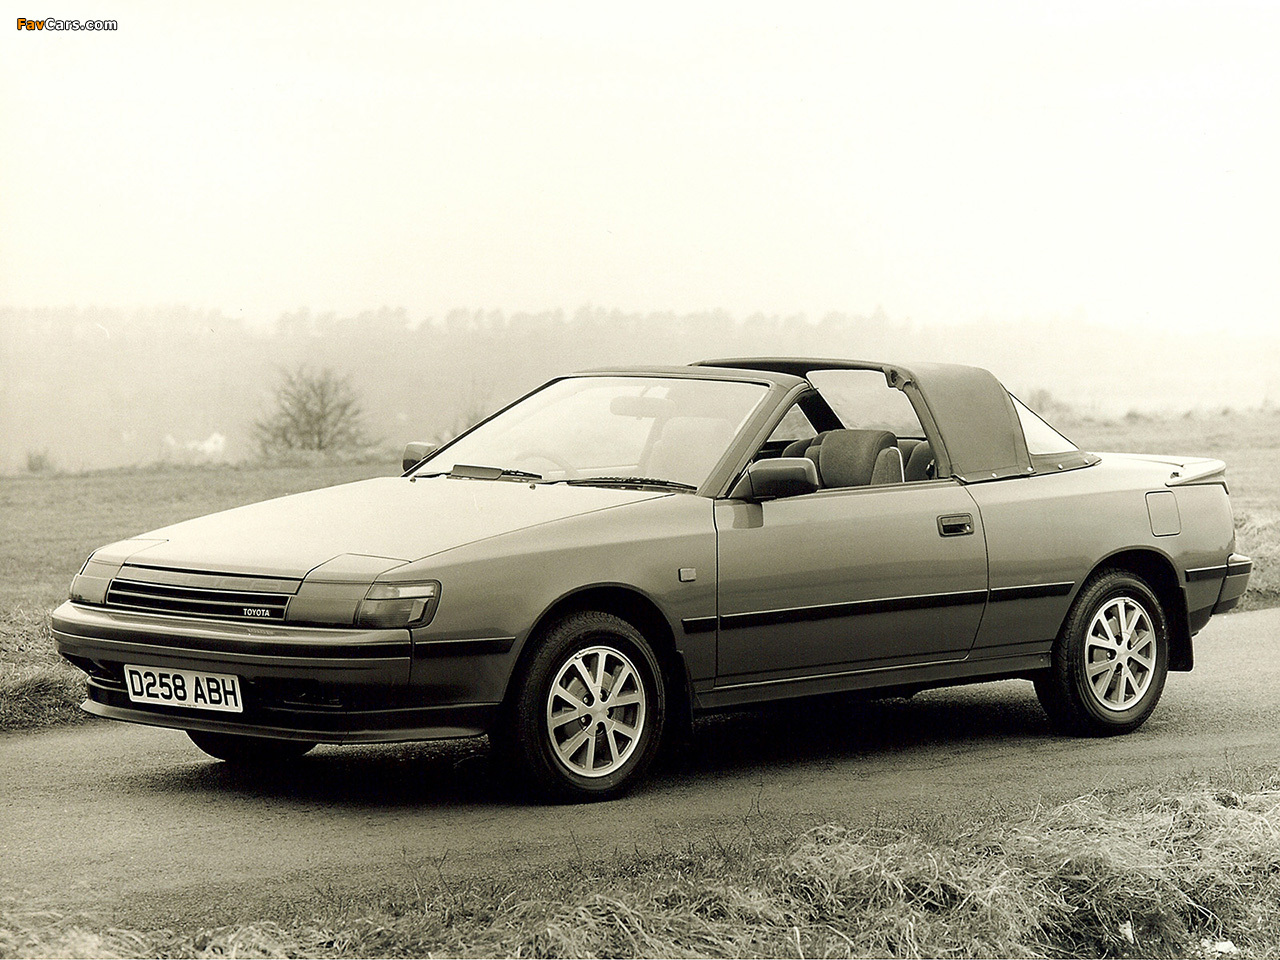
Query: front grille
pixel 187 601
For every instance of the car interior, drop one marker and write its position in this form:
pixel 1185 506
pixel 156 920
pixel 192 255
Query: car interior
pixel 855 458
pixel 857 430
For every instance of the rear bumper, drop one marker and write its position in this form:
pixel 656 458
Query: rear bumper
pixel 1216 589
pixel 329 685
pixel 1234 583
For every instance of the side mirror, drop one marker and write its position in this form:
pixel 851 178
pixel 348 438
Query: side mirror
pixel 776 478
pixel 415 453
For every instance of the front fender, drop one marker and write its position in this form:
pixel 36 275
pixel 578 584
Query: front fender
pixel 497 591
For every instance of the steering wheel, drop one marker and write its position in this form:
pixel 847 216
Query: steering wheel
pixel 570 471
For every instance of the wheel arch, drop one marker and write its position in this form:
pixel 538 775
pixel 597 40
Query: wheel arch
pixel 1161 575
pixel 643 613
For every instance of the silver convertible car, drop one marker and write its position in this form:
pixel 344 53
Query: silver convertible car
pixel 620 551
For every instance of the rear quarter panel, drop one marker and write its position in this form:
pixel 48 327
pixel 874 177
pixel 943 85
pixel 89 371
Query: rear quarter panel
pixel 1208 535
pixel 1059 528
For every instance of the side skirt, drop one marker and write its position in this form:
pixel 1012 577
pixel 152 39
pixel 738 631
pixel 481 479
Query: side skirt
pixel 934 674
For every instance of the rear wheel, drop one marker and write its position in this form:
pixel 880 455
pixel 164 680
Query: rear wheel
pixel 587 716
pixel 240 749
pixel 1110 660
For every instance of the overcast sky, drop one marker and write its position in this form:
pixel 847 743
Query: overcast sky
pixel 1115 162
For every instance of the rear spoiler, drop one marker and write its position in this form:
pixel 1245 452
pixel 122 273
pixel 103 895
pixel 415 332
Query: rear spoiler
pixel 1185 471
pixel 1192 472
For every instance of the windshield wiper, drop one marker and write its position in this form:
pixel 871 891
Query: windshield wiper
pixel 630 482
pixel 470 471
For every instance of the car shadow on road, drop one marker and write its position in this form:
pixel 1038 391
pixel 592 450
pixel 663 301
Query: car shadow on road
pixel 775 737
pixel 385 776
pixel 853 728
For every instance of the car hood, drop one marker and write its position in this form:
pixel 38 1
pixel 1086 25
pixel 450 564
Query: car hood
pixel 389 518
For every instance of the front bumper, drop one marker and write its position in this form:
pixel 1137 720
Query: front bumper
pixel 330 685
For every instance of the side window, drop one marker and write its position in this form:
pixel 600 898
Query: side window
pixel 1041 438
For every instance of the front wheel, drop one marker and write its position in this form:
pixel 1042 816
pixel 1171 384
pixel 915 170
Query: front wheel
pixel 1110 660
pixel 587 715
pixel 248 751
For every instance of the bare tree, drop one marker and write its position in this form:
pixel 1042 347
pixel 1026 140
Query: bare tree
pixel 314 410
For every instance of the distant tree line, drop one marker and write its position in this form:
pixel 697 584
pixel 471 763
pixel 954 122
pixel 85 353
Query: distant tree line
pixel 396 322
pixel 85 387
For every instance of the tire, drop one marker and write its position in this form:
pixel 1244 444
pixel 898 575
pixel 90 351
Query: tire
pixel 248 751
pixel 564 737
pixel 1107 676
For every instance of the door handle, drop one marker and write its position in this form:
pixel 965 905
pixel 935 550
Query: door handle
pixel 955 525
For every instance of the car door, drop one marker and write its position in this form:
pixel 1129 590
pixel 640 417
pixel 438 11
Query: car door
pixel 848 579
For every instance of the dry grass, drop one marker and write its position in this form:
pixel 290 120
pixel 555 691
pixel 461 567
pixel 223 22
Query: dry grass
pixel 47 934
pixel 1258 537
pixel 37 688
pixel 1135 874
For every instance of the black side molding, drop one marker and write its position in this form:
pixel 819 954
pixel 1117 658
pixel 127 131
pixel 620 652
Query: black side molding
pixel 765 618
pixel 699 625
pixel 461 648
pixel 1209 573
pixel 1031 592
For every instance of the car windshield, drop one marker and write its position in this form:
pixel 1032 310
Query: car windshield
pixel 610 430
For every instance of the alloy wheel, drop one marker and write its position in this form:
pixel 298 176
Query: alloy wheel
pixel 1120 654
pixel 595 711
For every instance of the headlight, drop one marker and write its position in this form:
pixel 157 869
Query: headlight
pixel 398 605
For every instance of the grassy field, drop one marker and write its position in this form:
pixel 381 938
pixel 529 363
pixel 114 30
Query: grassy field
pixel 1170 870
pixel 51 523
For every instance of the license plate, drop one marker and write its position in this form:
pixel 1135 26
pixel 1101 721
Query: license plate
pixel 184 688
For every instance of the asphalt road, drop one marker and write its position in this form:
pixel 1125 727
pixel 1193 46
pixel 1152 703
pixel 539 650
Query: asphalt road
pixel 137 828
